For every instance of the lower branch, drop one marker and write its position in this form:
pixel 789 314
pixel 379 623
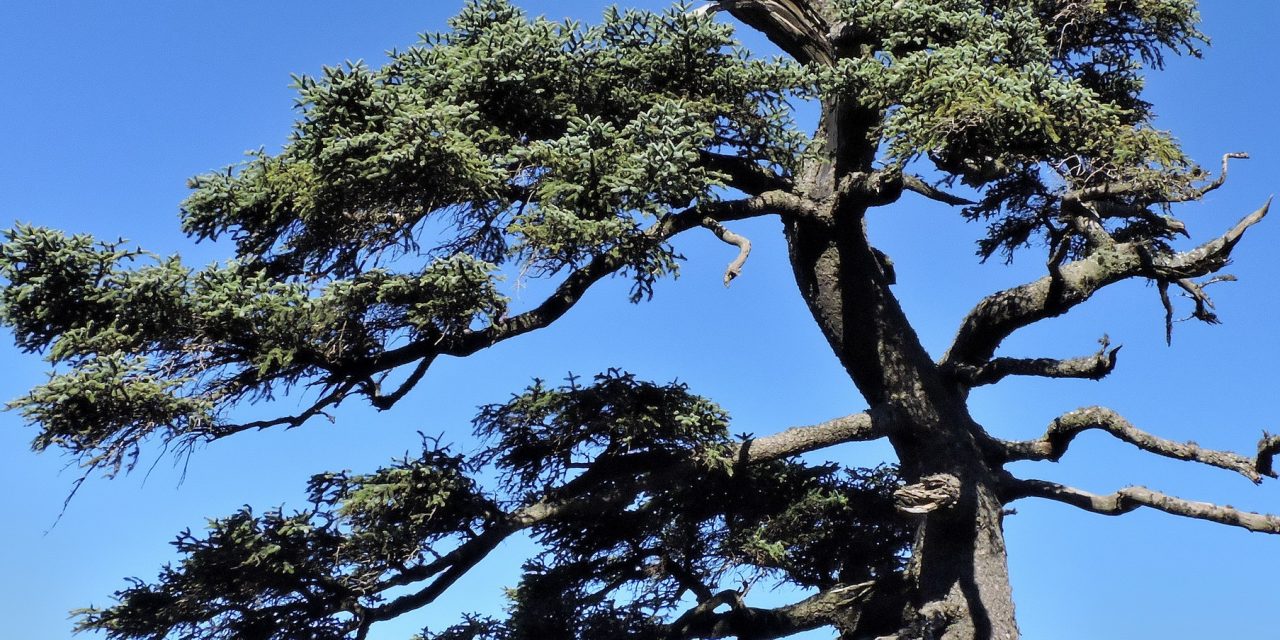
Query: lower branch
pixel 728 237
pixel 839 606
pixel 1053 445
pixel 1130 498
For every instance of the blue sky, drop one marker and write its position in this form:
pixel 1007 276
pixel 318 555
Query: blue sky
pixel 109 107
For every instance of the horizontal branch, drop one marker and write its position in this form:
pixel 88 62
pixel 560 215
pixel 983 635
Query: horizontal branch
pixel 1141 191
pixel 744 174
pixel 1053 445
pixel 1094 367
pixel 1131 498
pixel 917 185
pixel 997 316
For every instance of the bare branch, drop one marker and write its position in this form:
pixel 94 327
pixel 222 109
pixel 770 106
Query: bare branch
pixel 914 183
pixel 1130 498
pixel 1053 445
pixel 859 427
pixel 1094 367
pixel 744 248
pixel 1000 314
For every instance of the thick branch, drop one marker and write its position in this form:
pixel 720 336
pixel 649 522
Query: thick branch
pixel 839 606
pixel 1130 498
pixel 1053 445
pixel 744 174
pixel 795 26
pixel 999 315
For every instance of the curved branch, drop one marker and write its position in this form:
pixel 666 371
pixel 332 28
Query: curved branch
pixel 577 283
pixel 999 315
pixel 1053 445
pixel 728 237
pixel 796 26
pixel 1130 498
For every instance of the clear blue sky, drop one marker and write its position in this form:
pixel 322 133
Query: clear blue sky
pixel 109 107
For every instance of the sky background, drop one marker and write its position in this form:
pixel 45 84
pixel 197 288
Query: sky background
pixel 108 108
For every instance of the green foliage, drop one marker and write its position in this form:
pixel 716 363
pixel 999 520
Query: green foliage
pixel 302 575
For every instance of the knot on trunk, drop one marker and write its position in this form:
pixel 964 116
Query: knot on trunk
pixel 930 494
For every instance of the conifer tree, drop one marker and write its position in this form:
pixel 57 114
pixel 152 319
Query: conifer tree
pixel 375 242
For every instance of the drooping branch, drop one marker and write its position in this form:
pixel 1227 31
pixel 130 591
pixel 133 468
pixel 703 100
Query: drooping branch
pixel 1094 367
pixel 1053 445
pixel 1130 498
pixel 728 237
pixel 999 315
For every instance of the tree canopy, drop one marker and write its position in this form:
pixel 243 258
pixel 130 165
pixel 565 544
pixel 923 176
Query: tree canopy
pixel 380 238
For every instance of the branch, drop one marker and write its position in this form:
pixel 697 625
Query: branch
pixel 652 475
pixel 1053 445
pixel 1094 367
pixel 794 25
pixel 577 283
pixel 1136 189
pixel 745 175
pixel 999 315
pixel 914 183
pixel 839 605
pixel 728 237
pixel 1130 498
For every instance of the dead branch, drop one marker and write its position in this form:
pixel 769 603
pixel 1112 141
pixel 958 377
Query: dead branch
pixel 1131 498
pixel 917 185
pixel 728 237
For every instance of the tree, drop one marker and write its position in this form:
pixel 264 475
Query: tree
pixel 543 161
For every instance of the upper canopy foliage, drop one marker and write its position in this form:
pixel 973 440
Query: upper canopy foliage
pixel 378 237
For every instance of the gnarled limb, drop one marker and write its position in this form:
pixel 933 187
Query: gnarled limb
pixel 1053 445
pixel 1094 367
pixel 728 237
pixel 1130 498
pixel 999 315
pixel 840 606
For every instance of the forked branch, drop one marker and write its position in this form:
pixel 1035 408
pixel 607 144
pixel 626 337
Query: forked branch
pixel 837 606
pixel 997 316
pixel 1131 498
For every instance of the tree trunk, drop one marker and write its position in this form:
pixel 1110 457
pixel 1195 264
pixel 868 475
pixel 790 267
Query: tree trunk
pixel 958 575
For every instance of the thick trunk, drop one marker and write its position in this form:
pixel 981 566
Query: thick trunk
pixel 958 573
